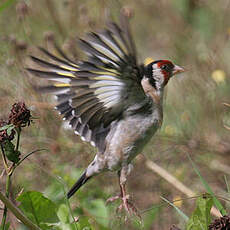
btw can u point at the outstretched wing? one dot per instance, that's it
(93, 94)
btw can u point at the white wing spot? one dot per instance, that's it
(76, 132)
(92, 143)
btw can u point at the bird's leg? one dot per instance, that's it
(126, 203)
(125, 197)
(122, 177)
(113, 198)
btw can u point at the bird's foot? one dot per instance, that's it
(126, 205)
(113, 198)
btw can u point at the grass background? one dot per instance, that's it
(191, 33)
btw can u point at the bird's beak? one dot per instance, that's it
(177, 69)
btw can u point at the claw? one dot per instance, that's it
(112, 199)
(126, 205)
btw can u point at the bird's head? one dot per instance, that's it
(159, 72)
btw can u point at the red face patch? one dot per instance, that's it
(166, 69)
(164, 62)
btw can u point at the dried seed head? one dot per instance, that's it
(4, 135)
(12, 39)
(223, 223)
(83, 10)
(49, 36)
(20, 116)
(21, 45)
(22, 10)
(127, 11)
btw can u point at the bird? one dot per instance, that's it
(109, 99)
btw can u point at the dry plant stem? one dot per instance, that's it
(17, 212)
(226, 127)
(217, 165)
(18, 137)
(8, 179)
(4, 159)
(3, 224)
(5, 207)
(176, 183)
(226, 104)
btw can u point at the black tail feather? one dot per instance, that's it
(82, 180)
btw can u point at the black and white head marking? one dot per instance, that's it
(159, 72)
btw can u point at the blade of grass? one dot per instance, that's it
(208, 188)
(184, 216)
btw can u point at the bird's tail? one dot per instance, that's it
(82, 180)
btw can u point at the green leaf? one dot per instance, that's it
(87, 228)
(10, 152)
(9, 130)
(98, 210)
(84, 223)
(61, 226)
(201, 217)
(63, 213)
(66, 226)
(6, 127)
(38, 208)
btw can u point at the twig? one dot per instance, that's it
(8, 178)
(226, 127)
(176, 183)
(18, 130)
(3, 225)
(226, 104)
(17, 212)
(217, 165)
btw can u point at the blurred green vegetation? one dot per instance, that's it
(192, 33)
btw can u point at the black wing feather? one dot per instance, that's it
(93, 94)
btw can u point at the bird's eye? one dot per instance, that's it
(164, 67)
